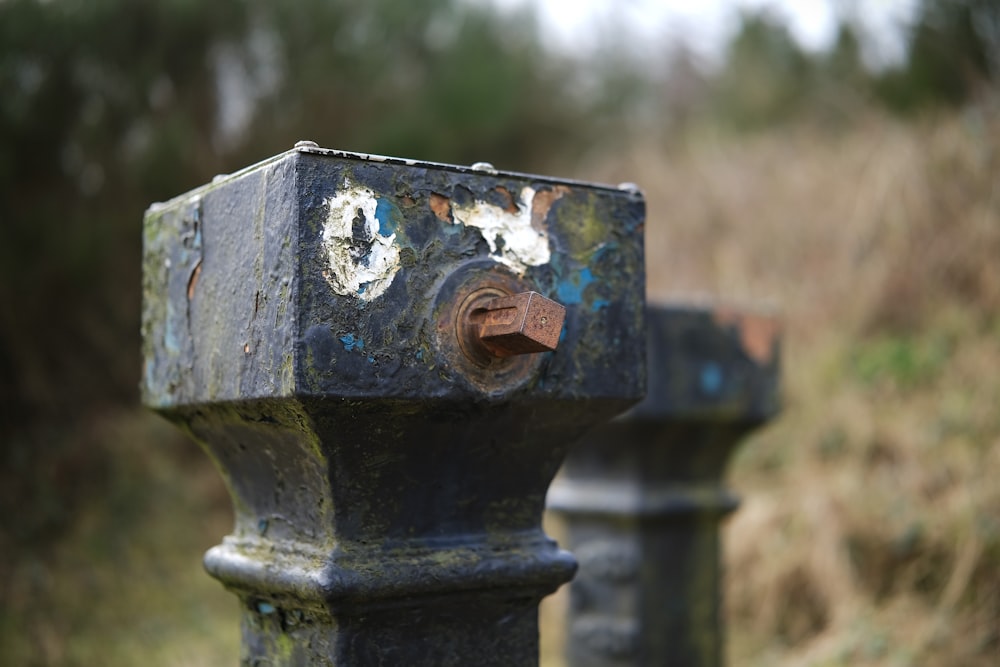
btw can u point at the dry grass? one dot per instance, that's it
(870, 532)
(125, 585)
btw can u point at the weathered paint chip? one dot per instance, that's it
(441, 206)
(193, 280)
(512, 238)
(351, 342)
(759, 333)
(358, 236)
(570, 289)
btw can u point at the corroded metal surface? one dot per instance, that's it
(642, 497)
(520, 324)
(299, 320)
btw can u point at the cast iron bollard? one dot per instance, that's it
(642, 497)
(355, 341)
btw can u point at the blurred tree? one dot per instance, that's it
(106, 105)
(953, 54)
(110, 105)
(766, 78)
(685, 89)
(441, 80)
(843, 82)
(844, 64)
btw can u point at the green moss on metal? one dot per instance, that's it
(583, 231)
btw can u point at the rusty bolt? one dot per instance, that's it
(520, 324)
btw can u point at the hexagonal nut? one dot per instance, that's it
(522, 323)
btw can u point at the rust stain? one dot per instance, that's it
(193, 280)
(509, 206)
(541, 204)
(758, 333)
(441, 206)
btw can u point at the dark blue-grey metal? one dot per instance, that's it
(642, 497)
(311, 321)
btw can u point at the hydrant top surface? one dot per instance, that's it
(325, 274)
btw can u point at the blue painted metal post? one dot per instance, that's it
(359, 344)
(642, 497)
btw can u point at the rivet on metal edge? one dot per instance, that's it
(305, 143)
(483, 166)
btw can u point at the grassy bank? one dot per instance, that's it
(870, 530)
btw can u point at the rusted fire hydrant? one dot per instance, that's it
(364, 346)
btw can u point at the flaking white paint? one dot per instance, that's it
(360, 267)
(520, 245)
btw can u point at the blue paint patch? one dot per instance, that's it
(598, 304)
(570, 290)
(362, 288)
(420, 355)
(351, 343)
(170, 340)
(384, 216)
(262, 526)
(196, 241)
(371, 359)
(710, 379)
(151, 374)
(266, 608)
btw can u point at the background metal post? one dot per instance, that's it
(333, 329)
(642, 497)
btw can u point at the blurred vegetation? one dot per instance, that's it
(767, 78)
(954, 53)
(868, 532)
(109, 105)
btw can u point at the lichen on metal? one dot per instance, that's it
(388, 489)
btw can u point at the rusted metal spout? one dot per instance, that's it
(504, 326)
(643, 496)
(520, 324)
